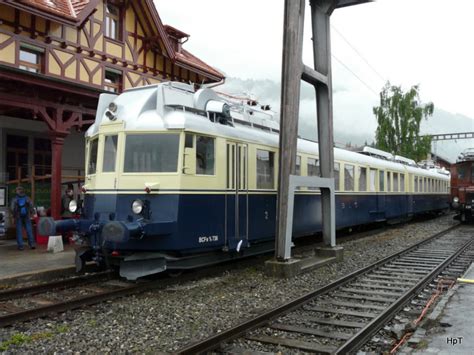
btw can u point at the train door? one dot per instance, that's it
(236, 204)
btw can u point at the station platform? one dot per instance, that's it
(451, 326)
(14, 262)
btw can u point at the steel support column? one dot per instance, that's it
(293, 70)
(290, 101)
(322, 64)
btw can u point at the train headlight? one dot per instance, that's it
(110, 115)
(137, 206)
(72, 206)
(113, 107)
(456, 199)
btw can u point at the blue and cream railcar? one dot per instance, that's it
(175, 176)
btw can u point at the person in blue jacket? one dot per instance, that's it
(22, 211)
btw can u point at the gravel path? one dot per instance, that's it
(165, 320)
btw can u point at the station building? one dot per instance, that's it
(56, 58)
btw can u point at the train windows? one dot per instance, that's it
(395, 182)
(472, 172)
(151, 153)
(298, 165)
(373, 180)
(363, 179)
(92, 165)
(348, 177)
(389, 181)
(402, 182)
(204, 155)
(381, 180)
(265, 169)
(461, 170)
(110, 154)
(313, 167)
(189, 140)
(337, 175)
(415, 185)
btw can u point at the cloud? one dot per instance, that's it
(354, 121)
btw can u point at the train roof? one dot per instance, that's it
(177, 106)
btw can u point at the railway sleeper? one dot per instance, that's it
(340, 311)
(291, 343)
(371, 292)
(332, 303)
(311, 331)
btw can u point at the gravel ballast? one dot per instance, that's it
(166, 320)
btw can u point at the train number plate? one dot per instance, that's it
(208, 239)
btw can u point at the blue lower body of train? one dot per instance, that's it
(176, 226)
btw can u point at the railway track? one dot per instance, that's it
(342, 316)
(46, 299)
(25, 303)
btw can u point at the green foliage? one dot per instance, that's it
(399, 117)
(21, 338)
(16, 339)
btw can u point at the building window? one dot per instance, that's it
(42, 157)
(112, 22)
(265, 169)
(112, 81)
(17, 157)
(31, 60)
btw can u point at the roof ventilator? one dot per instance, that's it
(219, 112)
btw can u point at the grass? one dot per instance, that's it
(21, 338)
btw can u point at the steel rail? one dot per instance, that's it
(88, 300)
(96, 298)
(54, 285)
(212, 342)
(361, 337)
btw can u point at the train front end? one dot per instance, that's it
(135, 159)
(462, 186)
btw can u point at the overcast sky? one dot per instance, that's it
(408, 42)
(427, 42)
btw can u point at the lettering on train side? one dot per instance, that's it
(208, 239)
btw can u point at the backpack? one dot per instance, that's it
(22, 206)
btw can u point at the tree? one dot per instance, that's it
(399, 117)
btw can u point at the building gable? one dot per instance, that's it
(142, 53)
